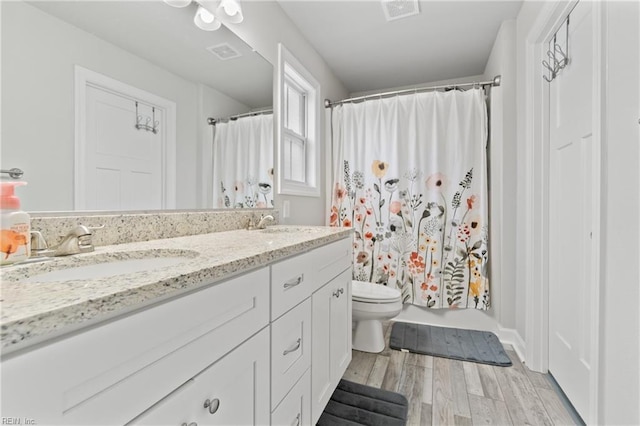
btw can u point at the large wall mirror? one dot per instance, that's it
(106, 105)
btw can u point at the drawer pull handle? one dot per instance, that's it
(294, 282)
(212, 405)
(294, 347)
(190, 424)
(296, 421)
(338, 292)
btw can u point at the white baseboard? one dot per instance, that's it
(511, 337)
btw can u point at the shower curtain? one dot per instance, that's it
(243, 162)
(410, 176)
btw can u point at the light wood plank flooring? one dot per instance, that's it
(442, 391)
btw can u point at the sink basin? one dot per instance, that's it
(109, 265)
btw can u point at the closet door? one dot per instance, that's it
(571, 183)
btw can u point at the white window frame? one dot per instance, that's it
(292, 71)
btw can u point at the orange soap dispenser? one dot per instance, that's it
(15, 226)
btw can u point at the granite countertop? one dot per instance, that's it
(33, 311)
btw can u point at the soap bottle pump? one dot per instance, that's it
(15, 226)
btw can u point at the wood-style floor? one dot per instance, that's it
(442, 391)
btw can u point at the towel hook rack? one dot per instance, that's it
(558, 58)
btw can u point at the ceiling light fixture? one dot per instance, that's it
(211, 14)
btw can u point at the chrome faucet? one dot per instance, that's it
(251, 224)
(78, 240)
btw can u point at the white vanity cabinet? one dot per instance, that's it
(265, 347)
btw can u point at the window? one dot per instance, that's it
(294, 132)
(298, 148)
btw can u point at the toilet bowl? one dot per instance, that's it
(372, 303)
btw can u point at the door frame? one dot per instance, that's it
(85, 77)
(535, 241)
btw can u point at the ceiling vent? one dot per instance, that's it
(398, 9)
(224, 51)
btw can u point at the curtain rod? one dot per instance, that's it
(212, 121)
(495, 82)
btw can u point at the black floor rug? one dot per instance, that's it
(455, 343)
(356, 404)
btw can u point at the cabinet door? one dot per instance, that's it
(331, 347)
(233, 391)
(340, 324)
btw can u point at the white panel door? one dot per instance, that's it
(570, 221)
(123, 165)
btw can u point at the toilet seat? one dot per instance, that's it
(365, 292)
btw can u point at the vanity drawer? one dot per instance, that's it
(290, 350)
(134, 361)
(233, 391)
(295, 408)
(331, 260)
(291, 283)
(294, 279)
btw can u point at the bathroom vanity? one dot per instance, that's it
(252, 327)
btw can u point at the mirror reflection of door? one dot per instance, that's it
(123, 139)
(123, 164)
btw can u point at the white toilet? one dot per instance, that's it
(372, 303)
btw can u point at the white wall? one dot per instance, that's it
(620, 291)
(38, 57)
(264, 26)
(502, 187)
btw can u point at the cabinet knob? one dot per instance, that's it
(212, 405)
(338, 292)
(189, 424)
(294, 282)
(294, 348)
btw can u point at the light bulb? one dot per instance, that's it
(233, 11)
(206, 20)
(230, 7)
(205, 15)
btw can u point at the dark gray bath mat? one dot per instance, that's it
(356, 404)
(455, 343)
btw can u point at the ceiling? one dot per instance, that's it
(447, 39)
(167, 37)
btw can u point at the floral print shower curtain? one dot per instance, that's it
(243, 162)
(410, 176)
